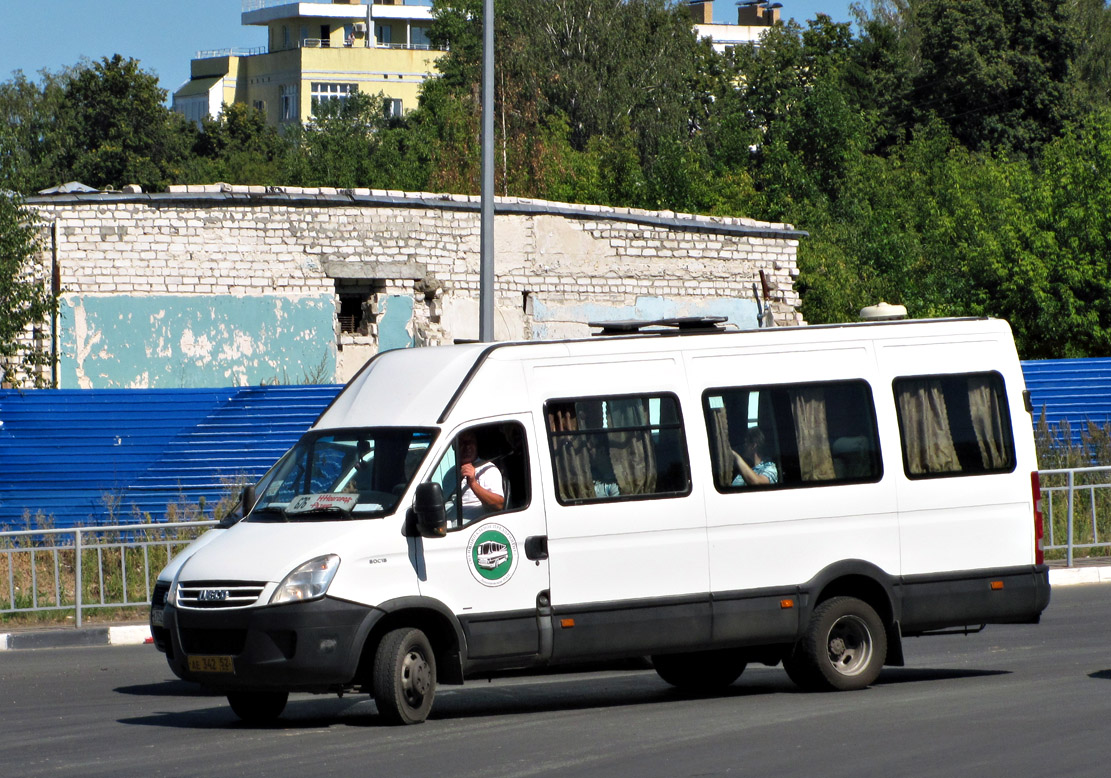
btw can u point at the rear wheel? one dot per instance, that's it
(703, 671)
(844, 647)
(258, 707)
(404, 680)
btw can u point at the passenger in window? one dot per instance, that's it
(762, 472)
(481, 488)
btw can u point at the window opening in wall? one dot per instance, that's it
(356, 312)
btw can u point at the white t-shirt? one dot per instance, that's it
(489, 478)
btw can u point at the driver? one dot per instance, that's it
(481, 487)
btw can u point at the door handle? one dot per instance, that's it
(536, 547)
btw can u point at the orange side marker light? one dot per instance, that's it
(786, 604)
(567, 623)
(996, 585)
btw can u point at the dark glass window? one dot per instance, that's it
(792, 435)
(954, 425)
(618, 447)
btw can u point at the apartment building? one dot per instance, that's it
(316, 51)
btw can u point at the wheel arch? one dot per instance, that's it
(854, 578)
(431, 617)
(866, 582)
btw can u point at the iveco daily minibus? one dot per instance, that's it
(809, 496)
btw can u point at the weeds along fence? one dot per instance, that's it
(106, 573)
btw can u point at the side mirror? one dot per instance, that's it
(247, 499)
(428, 510)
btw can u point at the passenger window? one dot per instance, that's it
(620, 447)
(954, 425)
(792, 435)
(497, 479)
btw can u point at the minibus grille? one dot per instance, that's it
(209, 595)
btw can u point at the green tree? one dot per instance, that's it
(28, 114)
(26, 302)
(112, 128)
(1091, 20)
(998, 72)
(237, 147)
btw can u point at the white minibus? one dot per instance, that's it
(810, 496)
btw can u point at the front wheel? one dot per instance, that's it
(843, 649)
(703, 671)
(404, 682)
(258, 707)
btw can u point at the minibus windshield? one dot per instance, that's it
(344, 474)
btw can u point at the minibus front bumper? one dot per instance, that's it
(306, 646)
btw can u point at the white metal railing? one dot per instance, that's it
(85, 568)
(233, 52)
(1076, 508)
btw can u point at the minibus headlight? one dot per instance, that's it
(307, 582)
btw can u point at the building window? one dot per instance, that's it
(322, 90)
(287, 94)
(954, 425)
(260, 106)
(792, 435)
(617, 448)
(393, 108)
(419, 37)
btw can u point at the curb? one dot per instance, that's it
(136, 634)
(128, 635)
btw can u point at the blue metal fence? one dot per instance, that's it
(1072, 390)
(72, 457)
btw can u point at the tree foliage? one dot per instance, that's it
(25, 301)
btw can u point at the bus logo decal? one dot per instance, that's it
(492, 554)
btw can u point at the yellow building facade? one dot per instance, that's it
(316, 51)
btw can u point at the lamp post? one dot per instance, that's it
(486, 234)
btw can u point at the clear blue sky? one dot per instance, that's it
(164, 36)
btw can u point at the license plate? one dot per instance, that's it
(211, 664)
(156, 617)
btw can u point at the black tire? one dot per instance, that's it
(404, 682)
(702, 671)
(843, 649)
(258, 707)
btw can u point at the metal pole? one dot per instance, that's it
(486, 268)
(1072, 486)
(77, 566)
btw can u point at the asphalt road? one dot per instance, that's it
(1011, 701)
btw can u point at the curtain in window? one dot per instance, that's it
(927, 440)
(631, 451)
(717, 427)
(987, 422)
(570, 456)
(815, 458)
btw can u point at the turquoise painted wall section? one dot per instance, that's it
(393, 325)
(739, 312)
(181, 342)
